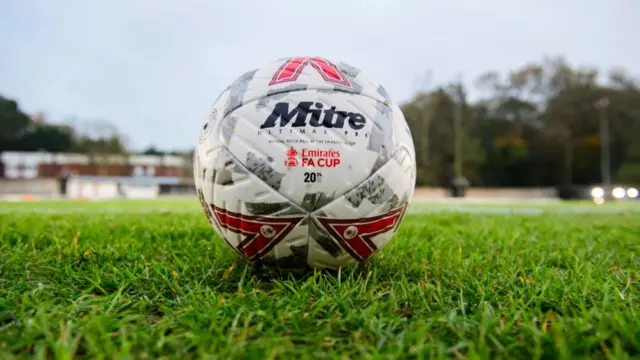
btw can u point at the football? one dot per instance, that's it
(305, 162)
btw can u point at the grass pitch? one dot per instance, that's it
(143, 279)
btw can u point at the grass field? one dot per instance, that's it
(150, 279)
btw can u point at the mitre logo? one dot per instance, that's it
(311, 117)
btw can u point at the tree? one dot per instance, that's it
(431, 118)
(551, 108)
(13, 122)
(467, 153)
(152, 151)
(537, 125)
(98, 137)
(419, 113)
(44, 137)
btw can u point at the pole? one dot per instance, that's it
(458, 142)
(457, 123)
(605, 158)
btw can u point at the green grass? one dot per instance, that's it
(93, 283)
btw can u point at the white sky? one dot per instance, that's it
(153, 67)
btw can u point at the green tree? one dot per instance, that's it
(432, 119)
(13, 122)
(45, 137)
(419, 113)
(551, 107)
(151, 150)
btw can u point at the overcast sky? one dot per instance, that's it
(153, 67)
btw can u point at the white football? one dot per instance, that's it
(305, 162)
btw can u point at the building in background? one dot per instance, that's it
(54, 175)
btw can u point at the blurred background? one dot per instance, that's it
(529, 99)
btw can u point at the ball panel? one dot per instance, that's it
(375, 207)
(250, 216)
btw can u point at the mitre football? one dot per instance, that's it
(305, 161)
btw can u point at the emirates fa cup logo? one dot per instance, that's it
(291, 161)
